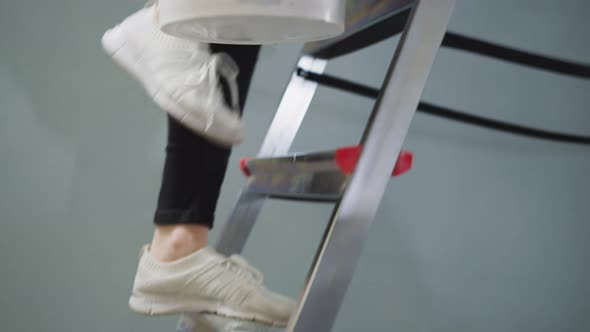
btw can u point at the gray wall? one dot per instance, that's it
(487, 233)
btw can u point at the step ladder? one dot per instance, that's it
(354, 178)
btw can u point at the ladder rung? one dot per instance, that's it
(318, 176)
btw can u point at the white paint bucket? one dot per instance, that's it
(253, 21)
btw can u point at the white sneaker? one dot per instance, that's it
(207, 282)
(181, 76)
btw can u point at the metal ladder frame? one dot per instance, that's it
(346, 233)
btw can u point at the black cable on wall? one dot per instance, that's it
(443, 112)
(469, 44)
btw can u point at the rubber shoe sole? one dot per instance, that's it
(175, 305)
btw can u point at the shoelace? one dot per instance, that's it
(203, 68)
(226, 67)
(240, 265)
(212, 68)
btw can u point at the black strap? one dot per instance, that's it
(395, 24)
(447, 113)
(500, 52)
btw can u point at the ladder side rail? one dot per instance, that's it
(346, 233)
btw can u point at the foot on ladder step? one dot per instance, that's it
(207, 282)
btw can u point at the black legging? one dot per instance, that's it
(195, 168)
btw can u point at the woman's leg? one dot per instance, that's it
(178, 272)
(193, 175)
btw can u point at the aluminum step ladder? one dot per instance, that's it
(354, 178)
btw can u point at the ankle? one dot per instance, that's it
(176, 241)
